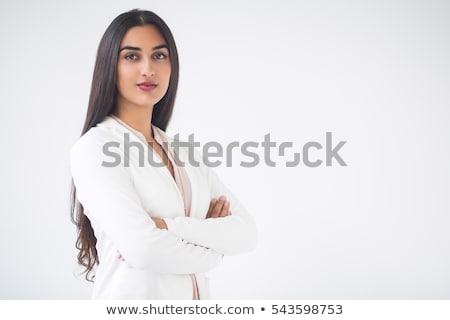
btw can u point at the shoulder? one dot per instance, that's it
(96, 138)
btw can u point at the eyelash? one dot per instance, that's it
(131, 56)
(134, 57)
(164, 56)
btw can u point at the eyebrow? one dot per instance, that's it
(139, 49)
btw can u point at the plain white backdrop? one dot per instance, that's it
(374, 73)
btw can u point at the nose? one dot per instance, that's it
(148, 69)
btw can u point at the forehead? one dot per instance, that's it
(144, 37)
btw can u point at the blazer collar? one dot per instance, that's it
(110, 122)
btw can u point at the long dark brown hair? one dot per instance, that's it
(102, 102)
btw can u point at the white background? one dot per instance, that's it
(374, 73)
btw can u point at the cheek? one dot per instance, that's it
(125, 73)
(167, 71)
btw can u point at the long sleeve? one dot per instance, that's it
(230, 235)
(111, 203)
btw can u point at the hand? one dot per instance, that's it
(160, 223)
(218, 208)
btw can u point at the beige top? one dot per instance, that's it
(181, 177)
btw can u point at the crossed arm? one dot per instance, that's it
(189, 245)
(218, 208)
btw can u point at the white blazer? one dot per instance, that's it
(119, 201)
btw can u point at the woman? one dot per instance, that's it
(150, 231)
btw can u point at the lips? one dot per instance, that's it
(147, 86)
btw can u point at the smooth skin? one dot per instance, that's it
(144, 57)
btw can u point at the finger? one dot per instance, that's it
(212, 203)
(225, 209)
(217, 208)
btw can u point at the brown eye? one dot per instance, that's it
(159, 56)
(131, 56)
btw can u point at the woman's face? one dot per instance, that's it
(143, 67)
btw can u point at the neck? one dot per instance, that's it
(138, 118)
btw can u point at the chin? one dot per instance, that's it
(147, 102)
